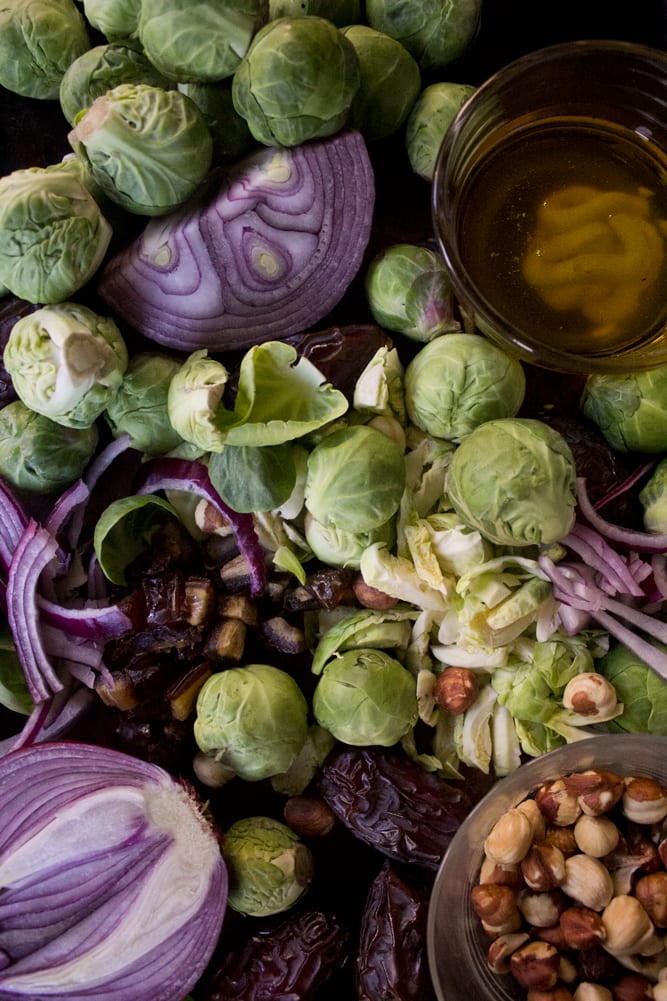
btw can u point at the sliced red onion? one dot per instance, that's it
(641, 542)
(13, 520)
(92, 621)
(267, 250)
(596, 552)
(114, 886)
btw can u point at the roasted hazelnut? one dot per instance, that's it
(502, 947)
(543, 867)
(629, 861)
(210, 772)
(552, 934)
(567, 970)
(632, 987)
(587, 991)
(510, 838)
(557, 803)
(596, 789)
(495, 872)
(535, 816)
(308, 816)
(563, 838)
(542, 910)
(495, 905)
(590, 694)
(535, 965)
(651, 891)
(626, 924)
(587, 881)
(558, 993)
(372, 597)
(597, 965)
(644, 800)
(596, 835)
(582, 928)
(456, 689)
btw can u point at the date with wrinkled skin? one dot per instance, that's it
(392, 962)
(289, 961)
(393, 805)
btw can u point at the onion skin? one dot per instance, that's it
(266, 250)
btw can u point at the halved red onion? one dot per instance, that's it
(266, 250)
(114, 886)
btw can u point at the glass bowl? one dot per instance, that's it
(456, 943)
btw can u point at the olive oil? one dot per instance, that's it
(563, 229)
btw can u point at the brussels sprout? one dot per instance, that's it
(642, 692)
(195, 393)
(355, 479)
(52, 199)
(338, 548)
(252, 718)
(630, 410)
(38, 455)
(66, 362)
(339, 12)
(114, 18)
(139, 408)
(513, 479)
(148, 148)
(38, 41)
(389, 83)
(101, 69)
(409, 291)
(229, 132)
(432, 113)
(458, 381)
(436, 32)
(653, 499)
(199, 41)
(269, 867)
(366, 697)
(297, 81)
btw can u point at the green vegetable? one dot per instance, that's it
(53, 199)
(339, 548)
(14, 692)
(125, 530)
(229, 132)
(297, 81)
(114, 18)
(514, 480)
(436, 32)
(195, 393)
(642, 691)
(630, 410)
(366, 697)
(409, 291)
(253, 719)
(339, 12)
(38, 41)
(269, 867)
(139, 407)
(389, 83)
(66, 362)
(148, 148)
(653, 498)
(355, 479)
(385, 630)
(253, 477)
(38, 455)
(101, 69)
(200, 41)
(458, 381)
(432, 113)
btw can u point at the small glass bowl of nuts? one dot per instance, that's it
(555, 887)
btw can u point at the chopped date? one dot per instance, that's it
(289, 961)
(392, 962)
(393, 805)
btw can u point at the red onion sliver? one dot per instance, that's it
(642, 542)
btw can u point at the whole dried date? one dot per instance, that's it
(392, 962)
(289, 961)
(393, 805)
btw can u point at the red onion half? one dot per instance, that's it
(266, 250)
(113, 883)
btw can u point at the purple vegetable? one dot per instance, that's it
(266, 250)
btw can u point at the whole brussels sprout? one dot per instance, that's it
(229, 132)
(514, 479)
(101, 69)
(630, 410)
(339, 12)
(38, 455)
(436, 32)
(66, 362)
(337, 548)
(297, 81)
(389, 82)
(366, 697)
(653, 499)
(458, 381)
(52, 199)
(147, 148)
(432, 113)
(409, 291)
(253, 719)
(139, 407)
(269, 867)
(38, 41)
(114, 18)
(199, 41)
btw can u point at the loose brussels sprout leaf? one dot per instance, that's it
(229, 132)
(381, 630)
(532, 690)
(38, 41)
(38, 455)
(355, 479)
(54, 200)
(432, 113)
(14, 692)
(653, 499)
(269, 867)
(630, 410)
(388, 86)
(297, 81)
(199, 41)
(253, 719)
(124, 531)
(398, 577)
(514, 480)
(642, 692)
(148, 148)
(379, 388)
(253, 477)
(339, 548)
(366, 697)
(101, 69)
(66, 362)
(194, 394)
(339, 12)
(307, 763)
(114, 18)
(139, 407)
(459, 381)
(436, 32)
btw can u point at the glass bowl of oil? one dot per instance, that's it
(549, 204)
